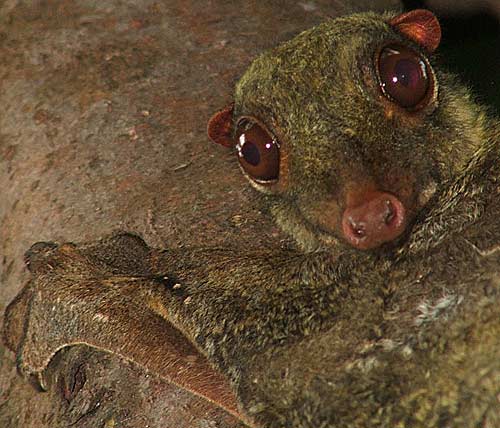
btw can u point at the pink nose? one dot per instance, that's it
(379, 218)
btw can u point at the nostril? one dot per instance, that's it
(381, 217)
(358, 228)
(390, 212)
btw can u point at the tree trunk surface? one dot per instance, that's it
(102, 128)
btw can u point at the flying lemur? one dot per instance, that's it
(385, 171)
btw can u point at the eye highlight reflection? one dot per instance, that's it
(258, 151)
(404, 76)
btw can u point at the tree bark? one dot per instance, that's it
(104, 109)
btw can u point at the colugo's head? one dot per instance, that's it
(350, 128)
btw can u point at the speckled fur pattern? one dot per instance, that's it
(404, 336)
(318, 94)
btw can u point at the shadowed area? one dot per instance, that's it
(104, 111)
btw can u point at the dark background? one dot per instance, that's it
(471, 43)
(102, 127)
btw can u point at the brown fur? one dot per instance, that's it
(407, 334)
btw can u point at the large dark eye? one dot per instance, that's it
(258, 151)
(404, 76)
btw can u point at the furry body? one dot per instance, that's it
(407, 334)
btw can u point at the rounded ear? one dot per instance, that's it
(419, 25)
(219, 127)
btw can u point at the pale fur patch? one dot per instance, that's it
(431, 311)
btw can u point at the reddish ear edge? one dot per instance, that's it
(219, 127)
(419, 25)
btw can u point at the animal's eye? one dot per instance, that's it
(404, 76)
(258, 151)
